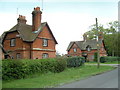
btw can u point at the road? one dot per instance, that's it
(105, 80)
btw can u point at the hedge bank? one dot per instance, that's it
(109, 59)
(17, 69)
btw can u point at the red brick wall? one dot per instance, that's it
(102, 50)
(1, 54)
(24, 48)
(38, 54)
(6, 43)
(72, 53)
(38, 43)
(20, 47)
(90, 54)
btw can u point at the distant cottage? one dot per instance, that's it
(86, 48)
(34, 41)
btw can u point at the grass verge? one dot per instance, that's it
(54, 79)
(114, 62)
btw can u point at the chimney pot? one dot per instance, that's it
(100, 36)
(85, 37)
(36, 18)
(21, 19)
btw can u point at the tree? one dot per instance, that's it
(111, 37)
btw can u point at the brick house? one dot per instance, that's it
(34, 41)
(86, 48)
(1, 52)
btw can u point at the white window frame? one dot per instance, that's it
(12, 42)
(88, 49)
(45, 55)
(45, 42)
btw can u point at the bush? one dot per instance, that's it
(109, 59)
(75, 61)
(13, 69)
(16, 69)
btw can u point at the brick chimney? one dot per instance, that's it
(21, 19)
(85, 38)
(36, 18)
(100, 36)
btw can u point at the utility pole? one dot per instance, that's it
(98, 52)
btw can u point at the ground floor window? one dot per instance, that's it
(18, 55)
(92, 57)
(45, 55)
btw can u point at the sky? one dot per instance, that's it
(68, 19)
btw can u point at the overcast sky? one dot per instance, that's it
(68, 19)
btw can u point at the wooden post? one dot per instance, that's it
(98, 52)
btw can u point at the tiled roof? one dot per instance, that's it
(26, 33)
(83, 44)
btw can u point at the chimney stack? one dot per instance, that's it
(100, 36)
(36, 18)
(22, 19)
(85, 38)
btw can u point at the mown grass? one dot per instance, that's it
(54, 79)
(114, 62)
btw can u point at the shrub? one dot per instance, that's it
(16, 69)
(75, 61)
(109, 59)
(12, 69)
(59, 65)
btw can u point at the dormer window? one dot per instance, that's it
(75, 49)
(45, 42)
(88, 48)
(12, 42)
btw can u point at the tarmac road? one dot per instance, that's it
(105, 80)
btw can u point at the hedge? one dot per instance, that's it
(109, 59)
(75, 61)
(17, 69)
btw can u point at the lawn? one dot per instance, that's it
(54, 79)
(114, 62)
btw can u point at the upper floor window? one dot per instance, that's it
(45, 42)
(88, 48)
(45, 55)
(12, 42)
(75, 49)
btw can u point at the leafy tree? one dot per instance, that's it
(111, 37)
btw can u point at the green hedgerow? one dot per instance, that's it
(75, 61)
(16, 69)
